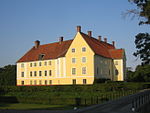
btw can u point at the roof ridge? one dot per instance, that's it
(56, 42)
(97, 39)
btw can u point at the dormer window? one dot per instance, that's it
(41, 56)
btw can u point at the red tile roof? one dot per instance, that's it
(99, 47)
(56, 50)
(50, 51)
(116, 53)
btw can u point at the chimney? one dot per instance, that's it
(90, 33)
(78, 28)
(99, 38)
(37, 43)
(60, 39)
(113, 43)
(105, 40)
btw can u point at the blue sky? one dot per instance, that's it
(24, 21)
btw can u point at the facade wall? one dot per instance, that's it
(103, 67)
(118, 70)
(77, 44)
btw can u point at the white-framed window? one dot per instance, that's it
(83, 49)
(73, 50)
(22, 74)
(50, 72)
(34, 64)
(45, 63)
(22, 82)
(84, 81)
(116, 62)
(45, 73)
(22, 65)
(40, 63)
(50, 63)
(73, 71)
(30, 82)
(34, 73)
(30, 64)
(74, 81)
(50, 82)
(34, 82)
(45, 82)
(40, 73)
(40, 82)
(30, 73)
(83, 59)
(83, 70)
(73, 60)
(41, 56)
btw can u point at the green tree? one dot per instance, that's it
(143, 10)
(142, 74)
(8, 75)
(142, 42)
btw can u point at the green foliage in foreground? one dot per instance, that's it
(141, 74)
(66, 95)
(8, 75)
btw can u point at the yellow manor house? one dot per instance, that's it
(78, 61)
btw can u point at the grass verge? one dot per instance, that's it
(22, 106)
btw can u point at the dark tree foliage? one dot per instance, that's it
(143, 10)
(141, 74)
(8, 75)
(142, 42)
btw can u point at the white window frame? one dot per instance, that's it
(30, 82)
(83, 71)
(50, 62)
(83, 48)
(31, 73)
(50, 82)
(30, 64)
(50, 72)
(22, 74)
(84, 81)
(22, 65)
(73, 49)
(40, 73)
(82, 59)
(35, 82)
(34, 64)
(45, 73)
(72, 71)
(45, 63)
(40, 82)
(73, 60)
(40, 63)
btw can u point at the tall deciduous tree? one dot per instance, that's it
(142, 42)
(143, 10)
(8, 75)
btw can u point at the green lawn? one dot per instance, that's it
(21, 106)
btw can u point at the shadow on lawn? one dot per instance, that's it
(5, 101)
